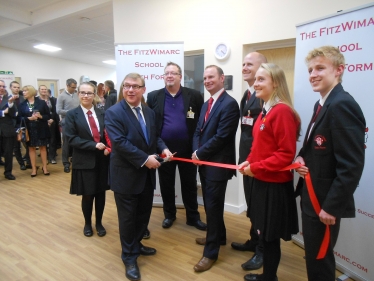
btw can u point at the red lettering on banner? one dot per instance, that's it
(157, 77)
(125, 53)
(348, 260)
(148, 64)
(365, 213)
(350, 47)
(359, 67)
(145, 77)
(151, 52)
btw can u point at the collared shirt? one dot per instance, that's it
(216, 96)
(269, 104)
(251, 88)
(134, 110)
(92, 109)
(321, 102)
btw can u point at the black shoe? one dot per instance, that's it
(100, 230)
(249, 245)
(255, 277)
(147, 251)
(198, 224)
(254, 263)
(168, 223)
(10, 177)
(67, 169)
(22, 167)
(147, 234)
(87, 230)
(132, 271)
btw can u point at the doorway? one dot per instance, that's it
(51, 84)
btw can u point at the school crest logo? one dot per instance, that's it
(320, 140)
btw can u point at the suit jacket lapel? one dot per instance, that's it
(161, 100)
(100, 118)
(186, 100)
(215, 106)
(324, 108)
(81, 119)
(134, 120)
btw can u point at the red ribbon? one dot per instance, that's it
(227, 166)
(317, 208)
(313, 198)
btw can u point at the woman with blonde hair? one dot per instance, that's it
(36, 114)
(274, 146)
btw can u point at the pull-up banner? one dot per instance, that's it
(149, 60)
(353, 33)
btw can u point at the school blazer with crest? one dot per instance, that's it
(335, 155)
(81, 140)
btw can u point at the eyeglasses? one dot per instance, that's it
(1, 86)
(171, 73)
(84, 94)
(134, 87)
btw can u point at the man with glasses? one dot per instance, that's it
(132, 131)
(7, 132)
(177, 111)
(66, 101)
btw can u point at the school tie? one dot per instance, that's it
(317, 111)
(263, 112)
(248, 95)
(94, 130)
(142, 123)
(209, 108)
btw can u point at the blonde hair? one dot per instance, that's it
(30, 89)
(280, 89)
(330, 52)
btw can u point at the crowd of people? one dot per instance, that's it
(115, 144)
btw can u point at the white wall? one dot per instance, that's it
(31, 67)
(201, 24)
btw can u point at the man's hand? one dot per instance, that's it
(152, 163)
(100, 146)
(167, 153)
(194, 157)
(326, 218)
(302, 170)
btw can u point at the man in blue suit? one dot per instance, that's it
(214, 140)
(132, 131)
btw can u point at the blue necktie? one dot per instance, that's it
(142, 123)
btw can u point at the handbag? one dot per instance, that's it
(22, 132)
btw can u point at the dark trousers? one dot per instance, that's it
(214, 201)
(17, 152)
(6, 145)
(66, 150)
(248, 183)
(313, 232)
(52, 142)
(134, 211)
(187, 173)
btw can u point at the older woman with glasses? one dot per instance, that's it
(36, 114)
(85, 133)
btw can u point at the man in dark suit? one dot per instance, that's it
(333, 154)
(214, 141)
(110, 94)
(250, 108)
(177, 111)
(132, 131)
(18, 99)
(7, 132)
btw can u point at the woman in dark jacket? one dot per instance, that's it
(53, 125)
(36, 114)
(85, 132)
